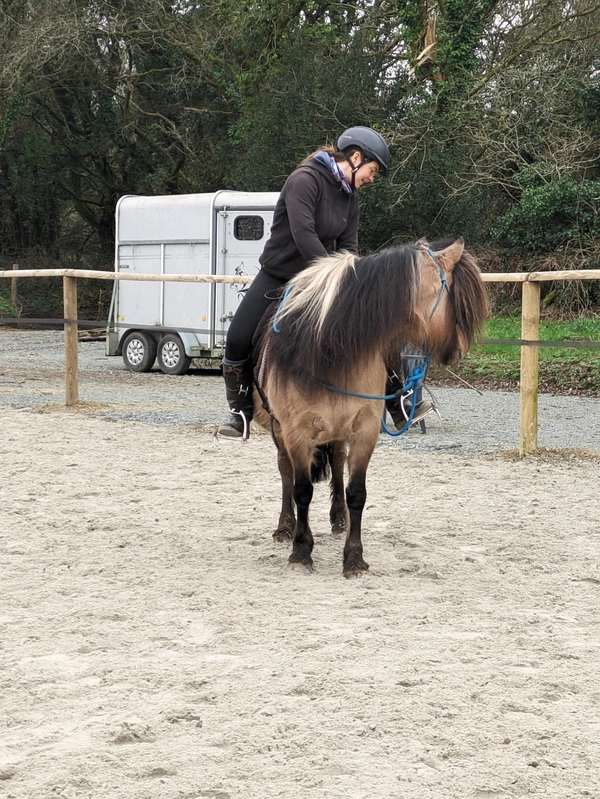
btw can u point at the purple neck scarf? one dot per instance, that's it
(336, 170)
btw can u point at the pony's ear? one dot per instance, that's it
(452, 254)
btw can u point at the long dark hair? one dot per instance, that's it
(339, 155)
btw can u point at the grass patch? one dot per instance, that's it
(6, 309)
(561, 370)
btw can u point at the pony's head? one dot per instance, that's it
(452, 300)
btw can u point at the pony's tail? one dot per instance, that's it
(320, 468)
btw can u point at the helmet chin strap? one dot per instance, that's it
(355, 170)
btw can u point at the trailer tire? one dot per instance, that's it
(172, 357)
(139, 352)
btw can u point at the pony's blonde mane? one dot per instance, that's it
(314, 291)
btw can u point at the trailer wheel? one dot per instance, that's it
(172, 357)
(139, 352)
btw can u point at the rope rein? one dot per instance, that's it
(280, 308)
(413, 381)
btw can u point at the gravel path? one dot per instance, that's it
(32, 375)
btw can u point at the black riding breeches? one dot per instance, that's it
(261, 293)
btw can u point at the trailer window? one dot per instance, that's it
(249, 228)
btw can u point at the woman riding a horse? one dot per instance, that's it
(316, 214)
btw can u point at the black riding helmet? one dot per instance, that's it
(369, 142)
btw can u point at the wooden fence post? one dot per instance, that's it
(530, 331)
(70, 311)
(13, 289)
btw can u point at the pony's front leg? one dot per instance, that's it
(359, 456)
(303, 543)
(356, 496)
(338, 513)
(287, 519)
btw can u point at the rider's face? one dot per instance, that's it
(366, 174)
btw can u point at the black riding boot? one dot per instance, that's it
(238, 389)
(400, 406)
(394, 406)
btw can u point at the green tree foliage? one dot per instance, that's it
(550, 215)
(507, 88)
(30, 210)
(108, 91)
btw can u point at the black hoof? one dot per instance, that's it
(360, 569)
(282, 535)
(304, 567)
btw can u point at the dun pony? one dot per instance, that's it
(337, 331)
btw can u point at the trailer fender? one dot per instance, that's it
(190, 344)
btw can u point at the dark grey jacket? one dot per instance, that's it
(313, 217)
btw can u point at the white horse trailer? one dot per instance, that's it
(199, 234)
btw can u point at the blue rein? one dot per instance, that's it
(280, 308)
(414, 379)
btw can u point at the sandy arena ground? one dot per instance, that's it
(154, 646)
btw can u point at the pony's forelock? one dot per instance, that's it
(469, 296)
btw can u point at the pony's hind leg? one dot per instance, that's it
(287, 519)
(338, 513)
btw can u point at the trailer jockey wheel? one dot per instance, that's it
(172, 357)
(139, 352)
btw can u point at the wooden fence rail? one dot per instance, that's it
(530, 324)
